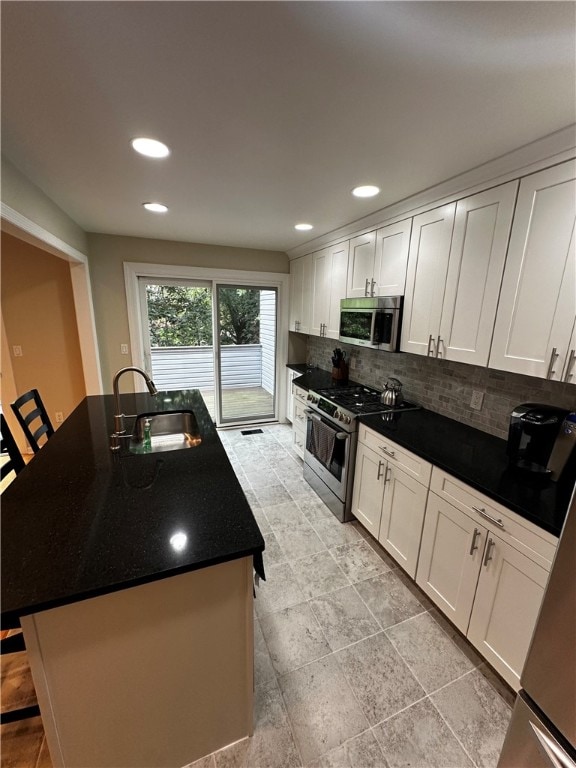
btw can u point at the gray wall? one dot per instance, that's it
(446, 387)
(20, 194)
(107, 254)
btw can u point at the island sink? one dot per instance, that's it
(169, 431)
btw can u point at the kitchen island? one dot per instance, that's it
(132, 578)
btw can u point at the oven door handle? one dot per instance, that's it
(313, 415)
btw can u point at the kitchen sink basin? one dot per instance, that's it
(169, 431)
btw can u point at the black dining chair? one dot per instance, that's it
(8, 446)
(13, 643)
(32, 417)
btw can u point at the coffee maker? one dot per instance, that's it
(540, 439)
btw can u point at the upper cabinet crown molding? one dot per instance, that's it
(543, 153)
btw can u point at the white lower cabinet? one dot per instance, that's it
(486, 569)
(508, 598)
(450, 559)
(388, 501)
(299, 420)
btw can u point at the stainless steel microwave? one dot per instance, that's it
(372, 322)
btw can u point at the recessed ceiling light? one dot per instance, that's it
(366, 191)
(155, 207)
(303, 227)
(150, 147)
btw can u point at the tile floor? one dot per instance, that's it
(354, 666)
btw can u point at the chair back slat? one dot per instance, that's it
(25, 419)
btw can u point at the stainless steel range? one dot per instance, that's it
(331, 437)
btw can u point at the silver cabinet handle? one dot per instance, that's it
(482, 511)
(474, 546)
(296, 325)
(429, 352)
(372, 283)
(552, 750)
(570, 365)
(438, 353)
(488, 554)
(366, 286)
(553, 357)
(388, 453)
(380, 465)
(388, 474)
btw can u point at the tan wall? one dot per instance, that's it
(38, 315)
(107, 254)
(20, 194)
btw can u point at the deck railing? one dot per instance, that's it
(193, 367)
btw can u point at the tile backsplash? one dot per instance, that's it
(446, 387)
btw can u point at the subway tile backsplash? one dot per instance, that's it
(446, 387)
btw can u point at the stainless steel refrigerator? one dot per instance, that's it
(542, 731)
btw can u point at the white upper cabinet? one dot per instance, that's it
(457, 256)
(426, 279)
(329, 275)
(300, 294)
(391, 261)
(378, 261)
(361, 268)
(537, 306)
(479, 242)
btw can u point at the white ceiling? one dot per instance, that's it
(273, 110)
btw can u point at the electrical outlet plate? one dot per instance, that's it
(476, 400)
(123, 349)
(17, 350)
(59, 417)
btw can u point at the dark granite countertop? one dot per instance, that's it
(480, 460)
(473, 456)
(81, 521)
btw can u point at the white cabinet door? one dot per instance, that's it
(329, 275)
(508, 597)
(391, 262)
(402, 517)
(426, 279)
(361, 271)
(291, 375)
(300, 294)
(368, 488)
(479, 243)
(538, 301)
(338, 257)
(450, 559)
(320, 290)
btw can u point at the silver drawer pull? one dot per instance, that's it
(489, 547)
(570, 365)
(366, 286)
(429, 352)
(474, 546)
(380, 465)
(388, 474)
(372, 283)
(553, 357)
(438, 353)
(388, 453)
(482, 511)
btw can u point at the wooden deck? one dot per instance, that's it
(241, 403)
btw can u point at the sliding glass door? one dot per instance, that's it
(246, 352)
(225, 348)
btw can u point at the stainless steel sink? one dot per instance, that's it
(169, 431)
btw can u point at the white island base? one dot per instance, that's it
(152, 676)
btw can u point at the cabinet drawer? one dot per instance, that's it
(519, 533)
(399, 457)
(299, 422)
(299, 393)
